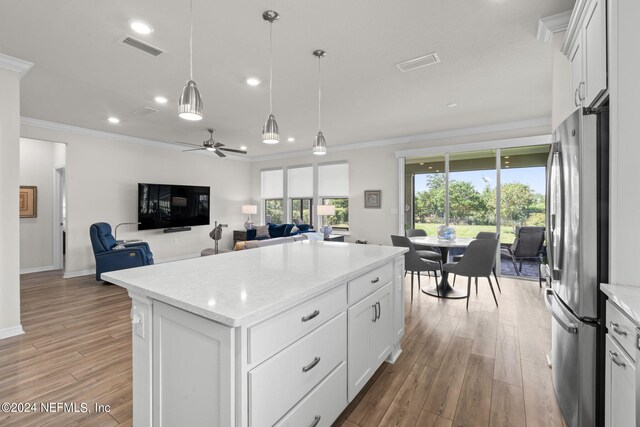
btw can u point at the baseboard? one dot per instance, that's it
(78, 273)
(37, 269)
(11, 332)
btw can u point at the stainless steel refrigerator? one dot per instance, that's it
(577, 192)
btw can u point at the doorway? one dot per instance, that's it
(59, 218)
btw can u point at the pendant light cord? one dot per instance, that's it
(270, 67)
(319, 96)
(191, 40)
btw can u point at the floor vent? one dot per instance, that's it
(419, 62)
(140, 45)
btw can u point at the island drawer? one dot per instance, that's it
(369, 282)
(323, 405)
(622, 329)
(274, 334)
(278, 384)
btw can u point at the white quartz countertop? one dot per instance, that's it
(237, 288)
(625, 297)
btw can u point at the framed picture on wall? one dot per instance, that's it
(28, 201)
(372, 198)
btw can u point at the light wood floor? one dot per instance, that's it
(483, 367)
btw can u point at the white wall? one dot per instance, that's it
(9, 209)
(102, 179)
(374, 169)
(36, 234)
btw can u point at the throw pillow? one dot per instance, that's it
(303, 227)
(239, 246)
(294, 230)
(262, 231)
(277, 230)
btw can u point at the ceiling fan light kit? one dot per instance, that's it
(190, 104)
(270, 132)
(319, 143)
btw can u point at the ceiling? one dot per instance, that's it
(492, 66)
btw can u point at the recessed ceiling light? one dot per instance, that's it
(113, 120)
(243, 147)
(506, 157)
(141, 28)
(506, 163)
(451, 105)
(291, 139)
(437, 170)
(422, 164)
(430, 167)
(161, 99)
(253, 81)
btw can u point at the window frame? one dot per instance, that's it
(322, 201)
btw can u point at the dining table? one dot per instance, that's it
(443, 289)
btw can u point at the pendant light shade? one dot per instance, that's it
(319, 143)
(190, 103)
(270, 132)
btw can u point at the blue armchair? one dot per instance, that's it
(110, 259)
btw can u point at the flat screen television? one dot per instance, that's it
(171, 206)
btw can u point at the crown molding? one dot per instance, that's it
(423, 137)
(552, 24)
(15, 64)
(76, 130)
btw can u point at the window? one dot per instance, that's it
(333, 189)
(271, 193)
(300, 193)
(339, 221)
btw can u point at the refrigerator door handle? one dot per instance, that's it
(562, 318)
(555, 208)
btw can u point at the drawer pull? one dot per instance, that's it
(614, 358)
(618, 331)
(311, 316)
(376, 280)
(316, 421)
(378, 310)
(311, 365)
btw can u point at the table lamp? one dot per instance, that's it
(249, 210)
(325, 211)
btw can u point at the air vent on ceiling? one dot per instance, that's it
(419, 62)
(143, 111)
(140, 45)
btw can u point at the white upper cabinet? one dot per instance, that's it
(586, 48)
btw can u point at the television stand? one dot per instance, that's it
(176, 229)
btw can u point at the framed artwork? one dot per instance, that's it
(372, 198)
(28, 201)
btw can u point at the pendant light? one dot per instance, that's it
(270, 133)
(319, 143)
(190, 104)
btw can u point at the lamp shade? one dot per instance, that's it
(190, 104)
(319, 145)
(270, 132)
(326, 210)
(249, 209)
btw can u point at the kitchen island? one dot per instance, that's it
(281, 335)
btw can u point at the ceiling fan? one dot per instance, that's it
(213, 145)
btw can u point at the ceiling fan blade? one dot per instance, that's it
(218, 144)
(193, 149)
(220, 153)
(233, 150)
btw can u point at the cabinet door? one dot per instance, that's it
(595, 51)
(620, 387)
(381, 327)
(360, 317)
(576, 74)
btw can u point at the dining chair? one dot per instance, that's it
(478, 261)
(481, 235)
(413, 262)
(528, 243)
(425, 251)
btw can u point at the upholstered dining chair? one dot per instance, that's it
(481, 235)
(413, 262)
(478, 261)
(528, 243)
(425, 251)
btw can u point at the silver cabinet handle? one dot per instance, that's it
(379, 310)
(376, 280)
(375, 312)
(311, 316)
(316, 421)
(581, 91)
(617, 330)
(614, 357)
(576, 96)
(311, 365)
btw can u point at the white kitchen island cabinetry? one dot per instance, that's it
(262, 337)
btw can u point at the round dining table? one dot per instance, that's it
(443, 289)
